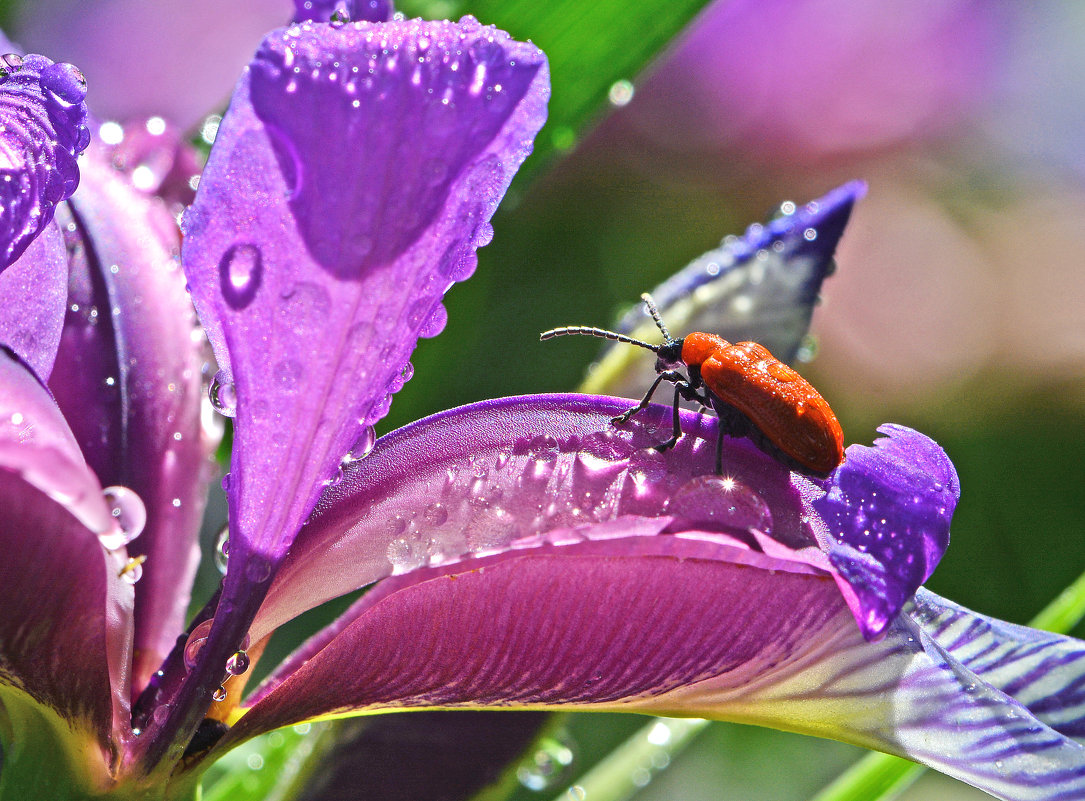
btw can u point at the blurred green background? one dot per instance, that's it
(959, 300)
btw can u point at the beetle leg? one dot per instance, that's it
(682, 389)
(669, 375)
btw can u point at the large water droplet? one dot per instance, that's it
(223, 394)
(548, 766)
(241, 271)
(720, 502)
(238, 663)
(11, 61)
(363, 446)
(219, 695)
(129, 516)
(436, 323)
(196, 640)
(406, 553)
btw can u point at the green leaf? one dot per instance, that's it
(591, 46)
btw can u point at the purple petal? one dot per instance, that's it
(128, 378)
(686, 631)
(525, 630)
(342, 10)
(65, 635)
(42, 130)
(34, 289)
(502, 474)
(316, 267)
(888, 510)
(157, 159)
(318, 254)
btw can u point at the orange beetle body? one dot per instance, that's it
(778, 401)
(753, 393)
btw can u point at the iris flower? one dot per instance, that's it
(525, 552)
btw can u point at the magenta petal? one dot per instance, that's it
(42, 130)
(75, 657)
(888, 510)
(34, 289)
(128, 378)
(316, 268)
(603, 625)
(502, 474)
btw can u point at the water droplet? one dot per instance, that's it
(161, 713)
(237, 664)
(305, 306)
(548, 766)
(720, 502)
(129, 516)
(219, 695)
(363, 446)
(12, 61)
(241, 271)
(436, 322)
(223, 394)
(406, 553)
(258, 569)
(435, 515)
(289, 373)
(222, 550)
(195, 643)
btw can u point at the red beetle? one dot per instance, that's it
(752, 392)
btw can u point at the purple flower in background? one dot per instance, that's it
(350, 184)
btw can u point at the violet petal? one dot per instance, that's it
(55, 571)
(42, 130)
(685, 631)
(128, 378)
(888, 510)
(335, 258)
(34, 288)
(525, 630)
(501, 474)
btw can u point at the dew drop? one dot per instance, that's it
(405, 554)
(12, 60)
(435, 515)
(219, 695)
(241, 272)
(195, 643)
(363, 446)
(436, 323)
(720, 501)
(549, 765)
(223, 394)
(258, 569)
(129, 515)
(237, 664)
(161, 713)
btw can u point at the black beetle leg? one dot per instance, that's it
(669, 375)
(682, 389)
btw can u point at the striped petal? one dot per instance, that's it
(762, 287)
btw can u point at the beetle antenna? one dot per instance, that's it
(590, 331)
(652, 310)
